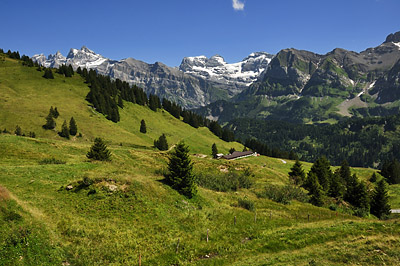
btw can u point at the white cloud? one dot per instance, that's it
(237, 5)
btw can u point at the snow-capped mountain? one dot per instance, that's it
(234, 77)
(198, 81)
(84, 58)
(157, 78)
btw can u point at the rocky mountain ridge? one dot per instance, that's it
(185, 85)
(301, 86)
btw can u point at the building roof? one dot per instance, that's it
(237, 154)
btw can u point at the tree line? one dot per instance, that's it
(324, 185)
(363, 142)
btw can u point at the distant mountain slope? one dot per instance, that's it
(302, 86)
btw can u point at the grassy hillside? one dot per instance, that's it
(26, 97)
(120, 212)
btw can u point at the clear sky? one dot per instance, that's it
(168, 30)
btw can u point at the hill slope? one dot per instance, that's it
(26, 98)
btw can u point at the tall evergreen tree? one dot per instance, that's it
(180, 171)
(50, 123)
(336, 188)
(99, 151)
(380, 206)
(391, 171)
(73, 128)
(48, 74)
(214, 150)
(143, 128)
(322, 169)
(56, 114)
(296, 174)
(315, 190)
(161, 143)
(64, 130)
(345, 172)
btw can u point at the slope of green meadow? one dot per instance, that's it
(120, 212)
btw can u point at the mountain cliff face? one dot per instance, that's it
(234, 77)
(198, 81)
(302, 86)
(189, 91)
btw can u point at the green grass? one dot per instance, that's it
(101, 213)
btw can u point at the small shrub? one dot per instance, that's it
(51, 161)
(283, 194)
(246, 204)
(224, 182)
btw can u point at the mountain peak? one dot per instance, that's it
(393, 37)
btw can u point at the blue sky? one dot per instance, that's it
(167, 31)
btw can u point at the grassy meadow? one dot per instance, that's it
(59, 208)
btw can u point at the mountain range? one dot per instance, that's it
(197, 82)
(303, 87)
(294, 85)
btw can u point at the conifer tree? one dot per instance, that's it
(322, 169)
(336, 187)
(345, 171)
(99, 151)
(314, 189)
(180, 171)
(380, 206)
(64, 130)
(18, 131)
(48, 74)
(214, 150)
(55, 113)
(373, 178)
(73, 128)
(161, 143)
(50, 123)
(296, 174)
(143, 128)
(232, 150)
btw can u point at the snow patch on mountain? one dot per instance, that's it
(215, 68)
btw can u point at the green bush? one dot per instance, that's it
(51, 161)
(246, 204)
(283, 194)
(224, 182)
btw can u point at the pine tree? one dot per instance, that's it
(64, 130)
(99, 151)
(143, 128)
(180, 171)
(214, 150)
(380, 206)
(232, 150)
(161, 143)
(56, 114)
(50, 123)
(373, 178)
(322, 169)
(18, 131)
(48, 74)
(345, 171)
(336, 187)
(296, 174)
(314, 189)
(73, 128)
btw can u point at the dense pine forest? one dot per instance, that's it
(363, 142)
